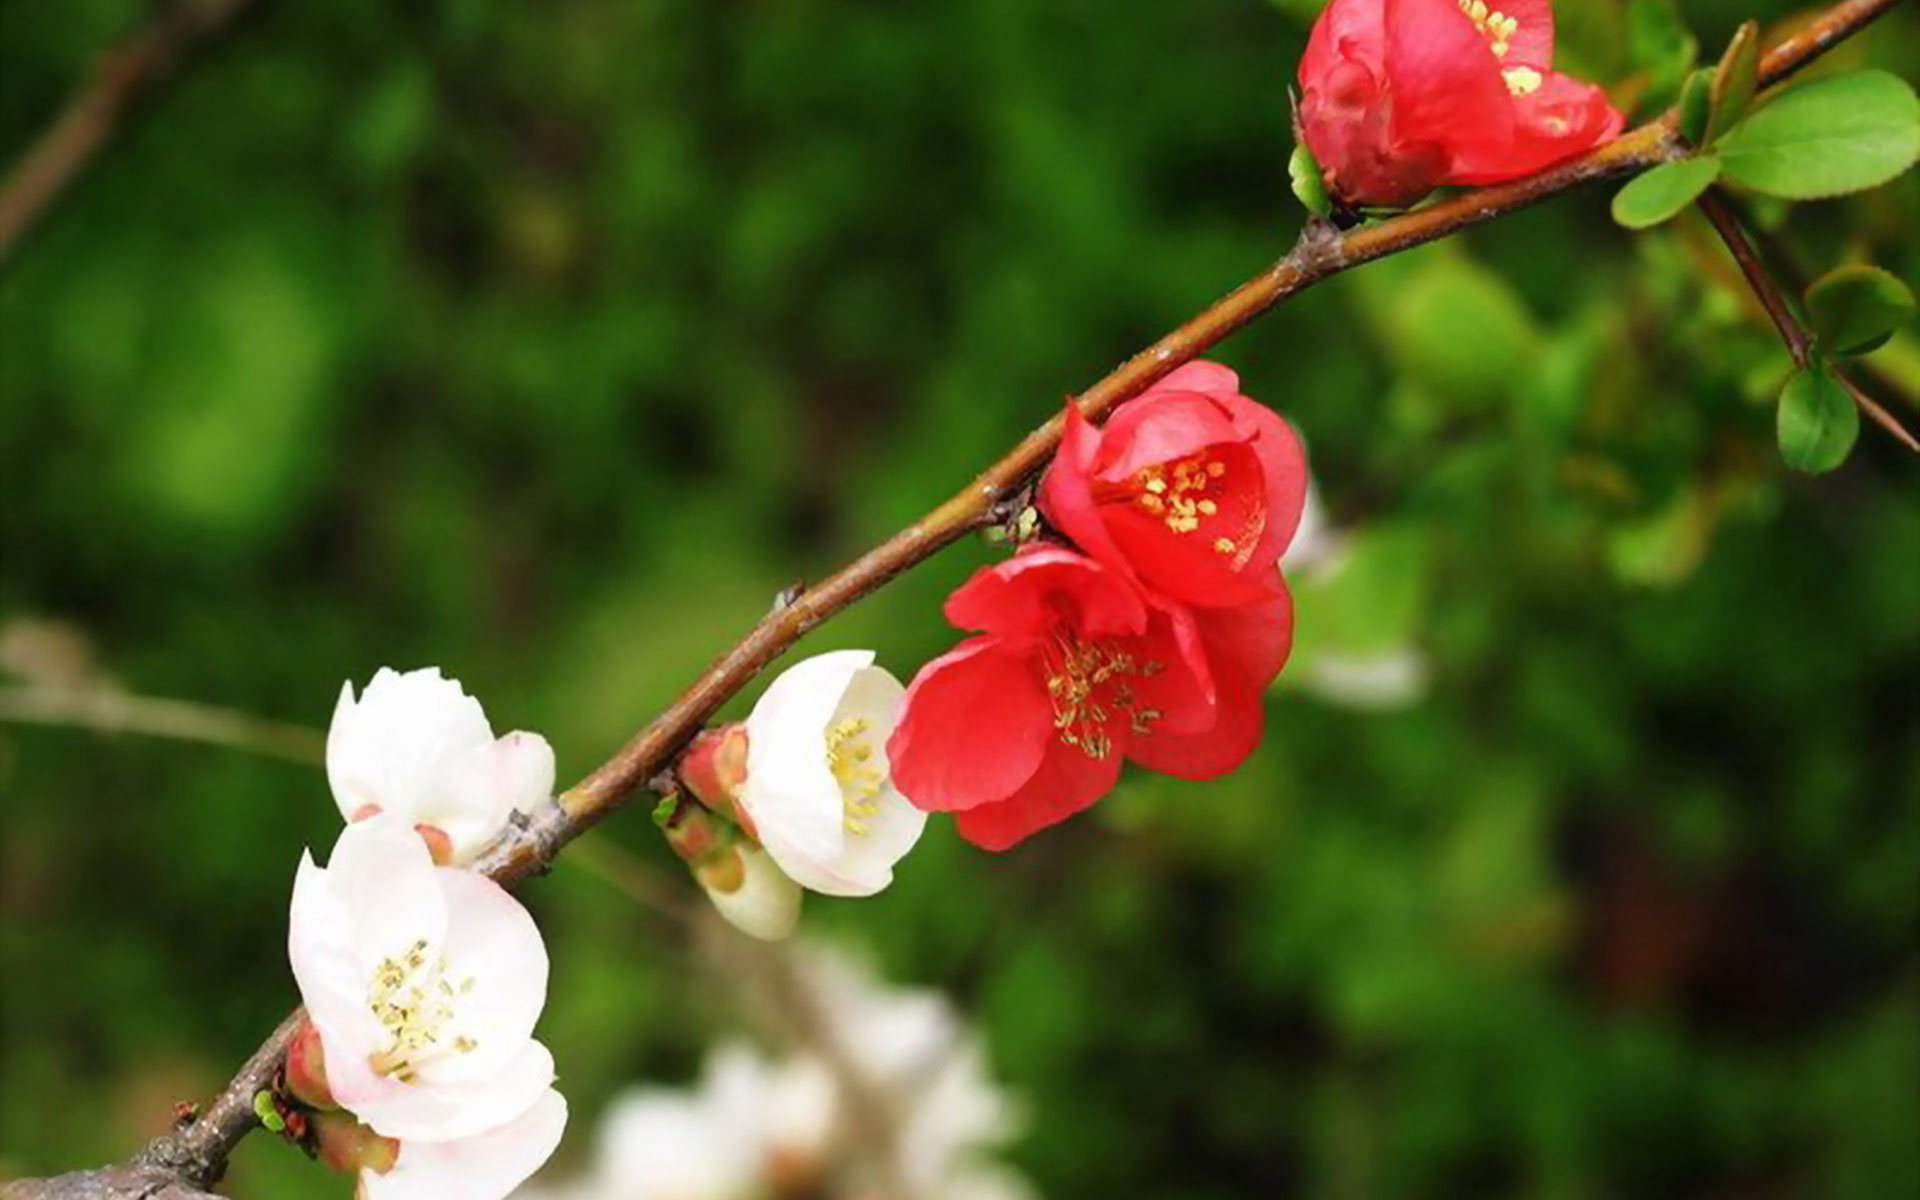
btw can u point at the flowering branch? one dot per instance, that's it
(65, 148)
(197, 1152)
(1798, 341)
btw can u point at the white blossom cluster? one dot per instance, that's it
(423, 979)
(757, 1128)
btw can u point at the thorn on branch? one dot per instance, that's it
(787, 597)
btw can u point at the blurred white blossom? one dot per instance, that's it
(756, 1128)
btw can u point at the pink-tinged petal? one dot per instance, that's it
(1200, 375)
(1254, 638)
(331, 980)
(1068, 780)
(1020, 598)
(1214, 752)
(1066, 491)
(1444, 78)
(487, 1166)
(974, 729)
(417, 1112)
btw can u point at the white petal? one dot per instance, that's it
(326, 970)
(384, 876)
(487, 1166)
(392, 747)
(419, 1112)
(767, 903)
(790, 790)
(485, 785)
(492, 940)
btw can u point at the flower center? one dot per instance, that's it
(414, 999)
(1497, 26)
(1499, 29)
(1176, 493)
(1090, 685)
(850, 757)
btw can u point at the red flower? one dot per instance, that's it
(1191, 488)
(1074, 671)
(1399, 97)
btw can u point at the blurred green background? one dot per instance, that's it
(546, 342)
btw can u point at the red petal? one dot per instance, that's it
(1283, 468)
(1254, 639)
(1235, 734)
(1183, 566)
(1066, 493)
(974, 729)
(1024, 596)
(1156, 429)
(1181, 689)
(1532, 42)
(1066, 782)
(1346, 29)
(1445, 81)
(1561, 118)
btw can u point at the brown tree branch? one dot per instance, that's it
(198, 1152)
(125, 74)
(1798, 341)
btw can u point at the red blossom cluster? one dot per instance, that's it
(1145, 631)
(1398, 97)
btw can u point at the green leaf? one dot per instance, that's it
(1856, 309)
(1734, 82)
(1308, 185)
(1664, 191)
(1827, 138)
(1817, 423)
(1696, 106)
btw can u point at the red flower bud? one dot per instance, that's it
(1399, 97)
(1190, 488)
(307, 1070)
(1076, 670)
(715, 766)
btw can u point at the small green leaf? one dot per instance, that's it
(1308, 186)
(663, 811)
(1817, 422)
(1734, 82)
(1696, 106)
(268, 1114)
(1856, 309)
(1664, 191)
(1843, 134)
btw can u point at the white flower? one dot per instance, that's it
(819, 793)
(423, 984)
(761, 901)
(418, 747)
(487, 1166)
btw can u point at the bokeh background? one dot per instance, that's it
(546, 342)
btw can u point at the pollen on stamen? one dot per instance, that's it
(1522, 81)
